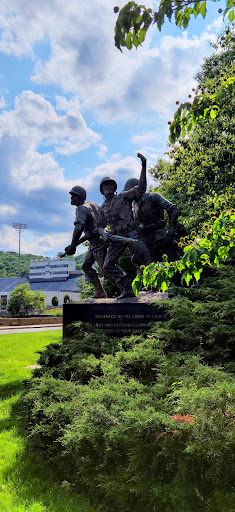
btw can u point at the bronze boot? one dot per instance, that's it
(99, 290)
(127, 288)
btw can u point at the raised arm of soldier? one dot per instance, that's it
(138, 190)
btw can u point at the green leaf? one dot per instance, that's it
(193, 256)
(137, 284)
(187, 277)
(196, 8)
(230, 3)
(142, 34)
(136, 40)
(213, 114)
(164, 286)
(128, 41)
(172, 138)
(185, 22)
(197, 274)
(203, 9)
(231, 16)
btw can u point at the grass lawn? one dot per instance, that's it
(26, 485)
(53, 311)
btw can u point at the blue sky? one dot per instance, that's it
(74, 109)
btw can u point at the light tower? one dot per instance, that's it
(19, 227)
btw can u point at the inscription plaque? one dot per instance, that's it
(116, 319)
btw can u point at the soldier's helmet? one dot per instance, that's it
(104, 180)
(79, 191)
(132, 182)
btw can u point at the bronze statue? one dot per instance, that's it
(116, 211)
(148, 212)
(86, 221)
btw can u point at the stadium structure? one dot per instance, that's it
(52, 277)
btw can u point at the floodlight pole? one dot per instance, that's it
(19, 255)
(19, 227)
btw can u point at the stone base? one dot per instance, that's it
(117, 317)
(147, 297)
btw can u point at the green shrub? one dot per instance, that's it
(67, 299)
(144, 422)
(55, 301)
(58, 314)
(169, 445)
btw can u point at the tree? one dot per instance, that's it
(215, 92)
(9, 262)
(134, 20)
(200, 175)
(24, 301)
(80, 260)
(200, 178)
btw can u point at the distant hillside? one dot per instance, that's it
(9, 262)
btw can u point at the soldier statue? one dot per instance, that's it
(148, 212)
(86, 221)
(116, 211)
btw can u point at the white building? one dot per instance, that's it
(51, 270)
(52, 277)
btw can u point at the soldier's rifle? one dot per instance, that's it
(118, 238)
(111, 238)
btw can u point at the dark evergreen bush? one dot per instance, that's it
(67, 299)
(55, 301)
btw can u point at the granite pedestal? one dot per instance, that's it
(117, 317)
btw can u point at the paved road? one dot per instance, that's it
(31, 329)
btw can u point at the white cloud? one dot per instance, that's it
(5, 209)
(33, 182)
(83, 60)
(141, 139)
(216, 25)
(62, 103)
(34, 118)
(102, 151)
(2, 102)
(114, 157)
(34, 243)
(33, 122)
